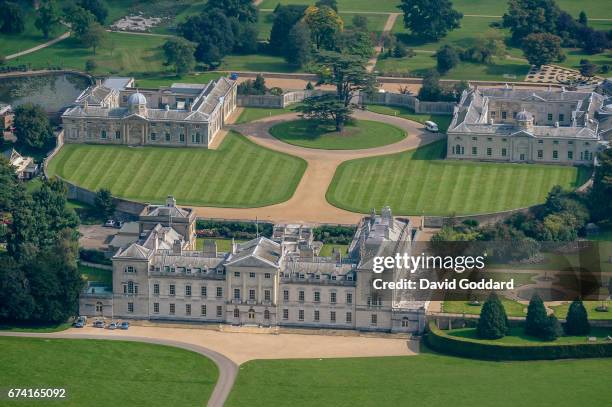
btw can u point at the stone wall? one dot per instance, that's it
(482, 219)
(277, 101)
(409, 101)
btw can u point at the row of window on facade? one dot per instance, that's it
(188, 308)
(333, 298)
(504, 115)
(584, 155)
(188, 290)
(195, 138)
(504, 140)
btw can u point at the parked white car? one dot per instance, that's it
(431, 126)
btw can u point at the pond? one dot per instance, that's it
(52, 91)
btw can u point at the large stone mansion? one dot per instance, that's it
(265, 282)
(180, 115)
(504, 124)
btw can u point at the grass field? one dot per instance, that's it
(501, 70)
(513, 308)
(420, 182)
(30, 37)
(107, 373)
(357, 135)
(238, 174)
(256, 63)
(122, 54)
(441, 120)
(223, 245)
(594, 8)
(327, 249)
(250, 114)
(561, 310)
(517, 336)
(427, 379)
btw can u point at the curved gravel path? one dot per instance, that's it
(227, 368)
(308, 204)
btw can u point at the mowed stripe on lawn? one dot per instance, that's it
(420, 182)
(238, 174)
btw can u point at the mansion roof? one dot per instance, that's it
(472, 113)
(92, 103)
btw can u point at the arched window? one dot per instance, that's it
(236, 313)
(266, 314)
(99, 307)
(251, 313)
(458, 149)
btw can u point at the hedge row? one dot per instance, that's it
(439, 341)
(232, 229)
(94, 256)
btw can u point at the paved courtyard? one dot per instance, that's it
(260, 345)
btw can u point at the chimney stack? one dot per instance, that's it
(177, 247)
(170, 201)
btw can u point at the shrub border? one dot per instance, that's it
(441, 342)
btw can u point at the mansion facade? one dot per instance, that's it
(263, 282)
(180, 115)
(508, 125)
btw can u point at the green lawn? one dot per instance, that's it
(420, 182)
(238, 174)
(427, 379)
(96, 274)
(561, 310)
(517, 336)
(250, 114)
(256, 63)
(223, 245)
(593, 8)
(107, 373)
(502, 70)
(122, 54)
(343, 5)
(441, 120)
(30, 37)
(327, 249)
(358, 135)
(513, 308)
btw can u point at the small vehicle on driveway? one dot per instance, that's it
(109, 224)
(431, 126)
(98, 323)
(124, 325)
(112, 325)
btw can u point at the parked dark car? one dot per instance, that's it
(124, 325)
(98, 324)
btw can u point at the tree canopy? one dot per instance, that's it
(430, 19)
(542, 48)
(47, 17)
(12, 18)
(39, 280)
(577, 321)
(32, 126)
(493, 321)
(284, 19)
(324, 24)
(180, 53)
